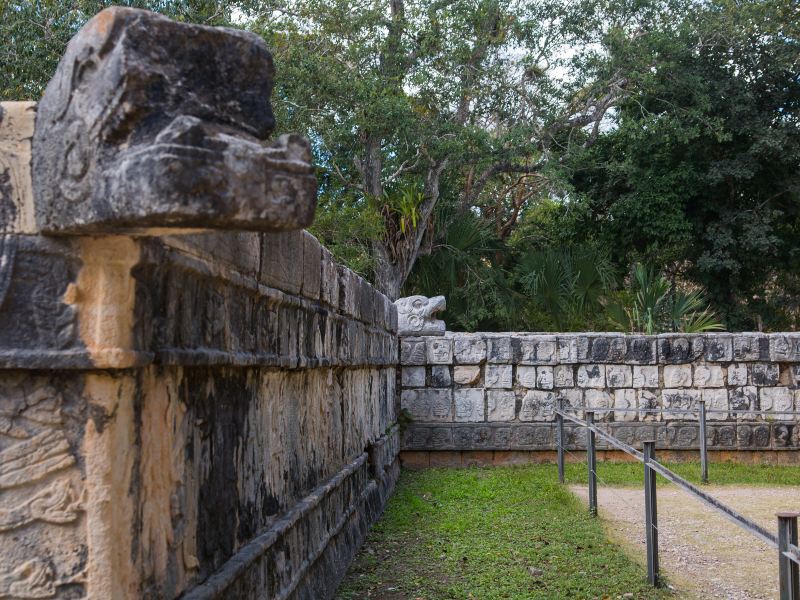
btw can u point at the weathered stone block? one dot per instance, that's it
(764, 374)
(469, 405)
(782, 436)
(677, 376)
(563, 376)
(498, 376)
(683, 401)
(16, 195)
(573, 348)
(469, 349)
(428, 405)
(750, 347)
(608, 348)
(440, 376)
(648, 402)
(126, 153)
(544, 378)
(535, 350)
(675, 348)
(716, 399)
(439, 351)
(412, 351)
(413, 377)
(312, 266)
(416, 315)
(466, 374)
(645, 377)
(598, 400)
(625, 405)
(537, 405)
(280, 253)
(526, 376)
(719, 347)
(619, 376)
(501, 404)
(499, 350)
(784, 347)
(571, 397)
(737, 375)
(592, 376)
(640, 350)
(777, 399)
(709, 376)
(743, 399)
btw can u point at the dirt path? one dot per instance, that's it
(703, 554)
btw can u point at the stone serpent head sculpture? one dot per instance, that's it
(415, 315)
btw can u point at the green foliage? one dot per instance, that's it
(652, 305)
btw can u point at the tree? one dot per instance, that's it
(403, 94)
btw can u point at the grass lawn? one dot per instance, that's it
(511, 533)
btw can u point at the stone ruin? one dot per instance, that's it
(196, 401)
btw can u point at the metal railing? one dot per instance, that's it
(786, 541)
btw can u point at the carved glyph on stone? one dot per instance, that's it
(416, 315)
(151, 123)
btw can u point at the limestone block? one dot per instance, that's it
(571, 397)
(794, 375)
(498, 376)
(645, 377)
(716, 399)
(782, 436)
(428, 405)
(764, 374)
(784, 347)
(592, 376)
(600, 401)
(16, 195)
(537, 405)
(619, 376)
(535, 350)
(677, 376)
(777, 399)
(648, 401)
(416, 315)
(544, 378)
(709, 376)
(624, 399)
(752, 436)
(563, 376)
(439, 351)
(526, 376)
(677, 348)
(719, 347)
(684, 401)
(573, 348)
(280, 253)
(737, 375)
(329, 279)
(469, 405)
(125, 154)
(499, 350)
(640, 350)
(750, 346)
(501, 404)
(412, 351)
(440, 376)
(312, 266)
(412, 377)
(608, 348)
(743, 398)
(466, 374)
(469, 349)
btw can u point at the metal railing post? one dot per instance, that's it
(560, 439)
(703, 444)
(591, 459)
(787, 568)
(651, 514)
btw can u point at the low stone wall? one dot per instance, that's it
(496, 392)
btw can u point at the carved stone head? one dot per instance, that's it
(415, 315)
(151, 123)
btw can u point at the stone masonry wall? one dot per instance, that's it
(482, 391)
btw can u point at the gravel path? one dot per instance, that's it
(702, 554)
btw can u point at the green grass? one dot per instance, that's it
(632, 474)
(510, 533)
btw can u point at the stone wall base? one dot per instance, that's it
(501, 458)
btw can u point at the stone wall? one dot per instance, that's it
(183, 413)
(497, 392)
